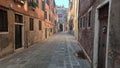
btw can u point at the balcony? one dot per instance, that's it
(22, 2)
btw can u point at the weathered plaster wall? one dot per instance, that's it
(114, 40)
(7, 39)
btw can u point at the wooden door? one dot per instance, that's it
(18, 36)
(103, 20)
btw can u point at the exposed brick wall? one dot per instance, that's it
(86, 41)
(86, 34)
(84, 6)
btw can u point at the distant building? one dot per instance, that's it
(62, 14)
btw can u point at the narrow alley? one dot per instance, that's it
(57, 51)
(59, 33)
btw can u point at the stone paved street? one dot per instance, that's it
(55, 52)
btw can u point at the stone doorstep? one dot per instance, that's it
(19, 49)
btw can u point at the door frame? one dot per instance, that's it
(22, 26)
(96, 34)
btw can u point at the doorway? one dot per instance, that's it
(45, 32)
(18, 31)
(103, 25)
(61, 27)
(18, 36)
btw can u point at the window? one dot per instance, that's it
(3, 21)
(49, 18)
(43, 5)
(31, 24)
(78, 23)
(51, 30)
(89, 19)
(83, 21)
(45, 15)
(47, 1)
(40, 25)
(18, 18)
(36, 1)
(71, 5)
(33, 3)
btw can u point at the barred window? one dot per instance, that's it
(45, 14)
(31, 24)
(3, 21)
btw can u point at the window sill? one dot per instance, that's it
(89, 28)
(83, 28)
(4, 32)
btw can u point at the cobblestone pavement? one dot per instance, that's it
(55, 52)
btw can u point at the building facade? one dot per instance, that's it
(73, 17)
(99, 32)
(62, 13)
(75, 7)
(50, 18)
(107, 41)
(86, 27)
(23, 24)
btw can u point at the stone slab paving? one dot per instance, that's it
(56, 52)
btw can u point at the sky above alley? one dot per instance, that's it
(62, 3)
